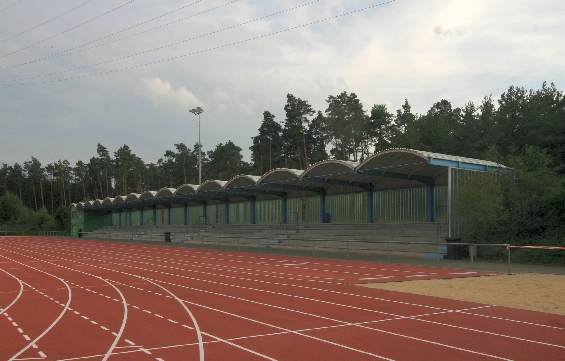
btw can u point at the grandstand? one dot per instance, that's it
(402, 195)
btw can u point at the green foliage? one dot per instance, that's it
(524, 205)
(11, 209)
(522, 128)
(13, 212)
(480, 203)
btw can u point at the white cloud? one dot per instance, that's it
(162, 92)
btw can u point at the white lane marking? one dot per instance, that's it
(124, 303)
(375, 278)
(418, 275)
(48, 329)
(187, 310)
(430, 321)
(295, 264)
(7, 307)
(463, 273)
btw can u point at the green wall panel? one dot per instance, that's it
(269, 211)
(178, 215)
(304, 210)
(240, 213)
(347, 208)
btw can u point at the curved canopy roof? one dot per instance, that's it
(165, 193)
(212, 185)
(390, 169)
(329, 168)
(412, 160)
(280, 175)
(133, 197)
(186, 189)
(147, 195)
(119, 200)
(242, 181)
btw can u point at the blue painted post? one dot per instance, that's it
(431, 204)
(186, 214)
(141, 220)
(169, 215)
(227, 212)
(285, 209)
(253, 210)
(322, 207)
(154, 215)
(370, 206)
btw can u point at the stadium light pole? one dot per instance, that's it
(197, 111)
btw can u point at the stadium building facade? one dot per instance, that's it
(394, 188)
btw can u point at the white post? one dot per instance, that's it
(199, 154)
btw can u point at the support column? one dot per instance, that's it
(141, 220)
(154, 215)
(120, 217)
(227, 212)
(323, 207)
(186, 214)
(284, 209)
(370, 203)
(253, 210)
(431, 203)
(130, 217)
(169, 215)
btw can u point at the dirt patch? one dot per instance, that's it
(536, 292)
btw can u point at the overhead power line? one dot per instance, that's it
(211, 49)
(68, 30)
(45, 22)
(169, 45)
(99, 42)
(6, 7)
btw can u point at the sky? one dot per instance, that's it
(74, 73)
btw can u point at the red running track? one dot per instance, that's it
(64, 299)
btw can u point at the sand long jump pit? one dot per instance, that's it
(528, 291)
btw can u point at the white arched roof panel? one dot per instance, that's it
(212, 185)
(329, 168)
(147, 195)
(165, 192)
(280, 175)
(242, 181)
(186, 189)
(133, 197)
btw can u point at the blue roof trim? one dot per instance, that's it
(457, 164)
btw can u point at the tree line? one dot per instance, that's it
(518, 124)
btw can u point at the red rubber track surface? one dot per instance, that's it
(64, 299)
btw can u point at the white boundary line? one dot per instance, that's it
(341, 293)
(366, 327)
(67, 304)
(4, 309)
(196, 327)
(179, 300)
(469, 329)
(125, 311)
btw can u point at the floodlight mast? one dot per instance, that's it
(197, 111)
